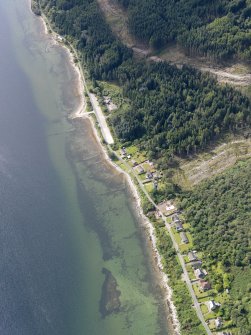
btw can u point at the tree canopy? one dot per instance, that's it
(215, 28)
(172, 111)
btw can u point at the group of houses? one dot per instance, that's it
(204, 285)
(177, 223)
(179, 228)
(150, 174)
(200, 273)
(196, 263)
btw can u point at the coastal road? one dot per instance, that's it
(181, 258)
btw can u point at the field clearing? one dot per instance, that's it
(117, 19)
(206, 165)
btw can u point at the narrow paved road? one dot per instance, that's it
(181, 258)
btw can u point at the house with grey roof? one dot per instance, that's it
(191, 256)
(184, 237)
(140, 169)
(175, 218)
(178, 226)
(196, 264)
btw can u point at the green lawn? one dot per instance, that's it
(191, 272)
(132, 150)
(211, 324)
(186, 226)
(149, 187)
(210, 316)
(204, 309)
(186, 259)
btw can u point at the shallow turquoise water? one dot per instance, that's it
(64, 216)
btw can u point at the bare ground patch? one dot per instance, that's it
(192, 172)
(238, 75)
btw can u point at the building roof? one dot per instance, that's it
(218, 322)
(196, 264)
(199, 273)
(212, 304)
(184, 237)
(191, 255)
(205, 285)
(178, 225)
(175, 218)
(140, 169)
(149, 175)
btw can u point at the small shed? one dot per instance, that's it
(184, 237)
(123, 150)
(155, 185)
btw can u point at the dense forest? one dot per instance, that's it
(219, 211)
(176, 111)
(215, 28)
(172, 111)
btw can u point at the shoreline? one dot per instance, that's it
(80, 112)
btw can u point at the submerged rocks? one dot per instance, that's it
(109, 302)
